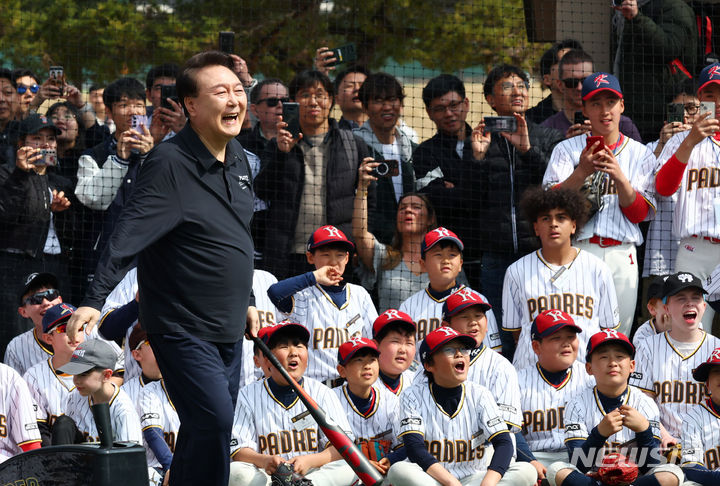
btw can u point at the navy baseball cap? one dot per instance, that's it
(267, 332)
(441, 336)
(680, 281)
(433, 237)
(390, 316)
(37, 280)
(709, 75)
(656, 289)
(461, 300)
(88, 355)
(598, 82)
(701, 372)
(326, 235)
(34, 123)
(606, 336)
(551, 321)
(350, 348)
(56, 315)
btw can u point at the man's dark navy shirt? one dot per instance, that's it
(188, 221)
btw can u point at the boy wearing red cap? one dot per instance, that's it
(447, 421)
(271, 425)
(701, 428)
(394, 333)
(603, 418)
(333, 311)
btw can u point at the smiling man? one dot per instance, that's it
(188, 222)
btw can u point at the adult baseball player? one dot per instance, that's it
(18, 426)
(584, 289)
(627, 193)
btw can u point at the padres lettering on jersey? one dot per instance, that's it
(574, 304)
(701, 436)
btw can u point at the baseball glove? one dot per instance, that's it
(592, 191)
(673, 453)
(617, 470)
(284, 475)
(375, 449)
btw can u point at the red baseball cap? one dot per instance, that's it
(609, 336)
(390, 316)
(461, 300)
(551, 321)
(433, 237)
(701, 372)
(350, 348)
(266, 333)
(439, 337)
(326, 235)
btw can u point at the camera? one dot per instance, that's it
(49, 158)
(675, 112)
(226, 41)
(386, 168)
(494, 124)
(168, 91)
(346, 53)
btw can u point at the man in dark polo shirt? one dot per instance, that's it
(188, 223)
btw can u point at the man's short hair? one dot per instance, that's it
(550, 57)
(96, 86)
(167, 70)
(20, 72)
(501, 71)
(129, 87)
(687, 87)
(380, 85)
(574, 56)
(440, 86)
(308, 79)
(349, 70)
(186, 83)
(255, 93)
(5, 73)
(537, 201)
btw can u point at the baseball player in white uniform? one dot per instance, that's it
(18, 427)
(272, 425)
(659, 319)
(557, 276)
(394, 332)
(446, 423)
(160, 424)
(627, 193)
(701, 428)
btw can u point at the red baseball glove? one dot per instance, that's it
(617, 470)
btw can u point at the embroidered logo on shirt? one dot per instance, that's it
(244, 181)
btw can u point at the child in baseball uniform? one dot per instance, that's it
(625, 167)
(442, 258)
(394, 333)
(273, 427)
(333, 311)
(371, 409)
(545, 388)
(659, 318)
(701, 428)
(665, 361)
(17, 413)
(144, 360)
(599, 420)
(446, 422)
(558, 275)
(92, 366)
(48, 386)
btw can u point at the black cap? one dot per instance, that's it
(680, 281)
(656, 289)
(34, 123)
(37, 280)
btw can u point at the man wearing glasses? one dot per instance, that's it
(7, 113)
(574, 67)
(27, 87)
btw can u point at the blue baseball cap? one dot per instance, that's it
(710, 74)
(57, 314)
(598, 82)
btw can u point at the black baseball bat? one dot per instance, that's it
(367, 473)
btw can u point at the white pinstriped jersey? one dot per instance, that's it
(406, 379)
(585, 290)
(27, 350)
(701, 437)
(699, 188)
(18, 422)
(459, 441)
(637, 163)
(123, 417)
(123, 293)
(543, 405)
(262, 423)
(426, 311)
(156, 410)
(712, 285)
(585, 411)
(661, 369)
(267, 312)
(330, 325)
(380, 419)
(49, 389)
(133, 386)
(646, 330)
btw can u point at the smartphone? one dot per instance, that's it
(591, 140)
(675, 112)
(494, 124)
(707, 107)
(291, 116)
(579, 118)
(168, 91)
(616, 3)
(138, 120)
(386, 168)
(346, 53)
(227, 42)
(49, 158)
(57, 75)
